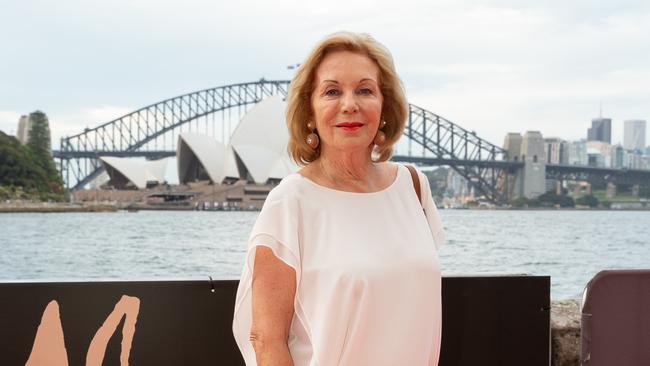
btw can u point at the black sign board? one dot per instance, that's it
(501, 320)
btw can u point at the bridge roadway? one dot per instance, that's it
(557, 171)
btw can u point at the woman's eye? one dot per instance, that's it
(331, 92)
(365, 91)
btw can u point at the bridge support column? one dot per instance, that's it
(635, 189)
(534, 158)
(558, 187)
(611, 190)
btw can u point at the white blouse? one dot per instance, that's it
(367, 273)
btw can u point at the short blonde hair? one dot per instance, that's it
(299, 110)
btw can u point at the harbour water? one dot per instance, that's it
(569, 246)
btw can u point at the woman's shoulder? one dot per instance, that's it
(289, 188)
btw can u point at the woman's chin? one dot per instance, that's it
(353, 147)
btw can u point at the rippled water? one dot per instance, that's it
(570, 246)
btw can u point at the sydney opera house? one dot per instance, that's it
(240, 172)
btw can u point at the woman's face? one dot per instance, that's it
(346, 102)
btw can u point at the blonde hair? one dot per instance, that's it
(299, 110)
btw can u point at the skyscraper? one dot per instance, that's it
(634, 134)
(24, 125)
(601, 130)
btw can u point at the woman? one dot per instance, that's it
(342, 266)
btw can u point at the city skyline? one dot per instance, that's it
(494, 67)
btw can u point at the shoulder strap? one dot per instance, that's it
(416, 182)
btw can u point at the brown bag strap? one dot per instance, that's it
(416, 182)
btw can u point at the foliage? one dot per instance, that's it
(550, 199)
(522, 202)
(39, 135)
(438, 181)
(39, 143)
(644, 191)
(25, 175)
(587, 200)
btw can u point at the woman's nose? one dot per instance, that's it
(349, 103)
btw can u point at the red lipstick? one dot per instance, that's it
(349, 126)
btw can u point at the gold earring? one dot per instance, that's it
(312, 139)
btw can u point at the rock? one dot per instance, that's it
(565, 332)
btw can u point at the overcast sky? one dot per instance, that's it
(490, 66)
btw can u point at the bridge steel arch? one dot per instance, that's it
(441, 141)
(480, 162)
(130, 134)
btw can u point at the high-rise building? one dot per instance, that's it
(605, 150)
(618, 157)
(556, 151)
(601, 130)
(577, 153)
(24, 125)
(634, 134)
(633, 160)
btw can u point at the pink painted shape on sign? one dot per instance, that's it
(49, 345)
(128, 306)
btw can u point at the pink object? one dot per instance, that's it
(615, 324)
(367, 272)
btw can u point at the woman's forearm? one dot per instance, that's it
(272, 353)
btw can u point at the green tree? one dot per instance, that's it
(550, 199)
(587, 200)
(28, 174)
(39, 134)
(644, 191)
(40, 145)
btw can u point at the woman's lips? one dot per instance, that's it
(349, 126)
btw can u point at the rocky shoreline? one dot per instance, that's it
(55, 207)
(565, 332)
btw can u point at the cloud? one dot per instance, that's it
(9, 122)
(74, 122)
(494, 66)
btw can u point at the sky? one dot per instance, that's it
(490, 66)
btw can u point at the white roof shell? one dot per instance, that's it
(261, 138)
(216, 158)
(136, 171)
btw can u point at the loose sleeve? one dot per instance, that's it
(277, 227)
(430, 209)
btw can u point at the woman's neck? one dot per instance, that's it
(354, 170)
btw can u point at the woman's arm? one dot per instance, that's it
(274, 289)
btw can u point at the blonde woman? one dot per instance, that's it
(342, 265)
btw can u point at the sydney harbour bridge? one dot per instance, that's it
(152, 131)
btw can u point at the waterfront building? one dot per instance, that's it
(24, 126)
(125, 173)
(200, 157)
(601, 130)
(556, 151)
(605, 150)
(634, 160)
(577, 153)
(618, 157)
(634, 134)
(256, 154)
(595, 158)
(459, 187)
